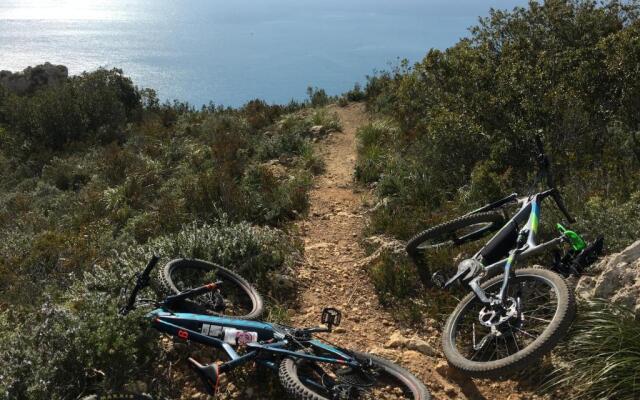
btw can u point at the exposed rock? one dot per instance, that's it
(383, 244)
(32, 78)
(276, 169)
(421, 346)
(317, 131)
(617, 278)
(396, 340)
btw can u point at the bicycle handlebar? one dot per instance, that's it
(544, 163)
(560, 203)
(141, 282)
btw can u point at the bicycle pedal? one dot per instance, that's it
(209, 374)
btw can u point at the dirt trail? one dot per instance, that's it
(333, 275)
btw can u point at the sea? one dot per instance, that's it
(231, 51)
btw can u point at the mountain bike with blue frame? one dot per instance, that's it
(510, 320)
(309, 368)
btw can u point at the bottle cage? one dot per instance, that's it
(576, 241)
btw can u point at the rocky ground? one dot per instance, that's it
(615, 277)
(334, 274)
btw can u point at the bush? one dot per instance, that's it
(354, 95)
(93, 106)
(317, 97)
(373, 140)
(602, 355)
(79, 344)
(618, 222)
(394, 280)
(329, 121)
(466, 115)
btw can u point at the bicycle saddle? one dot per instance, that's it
(209, 374)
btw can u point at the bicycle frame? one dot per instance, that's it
(271, 341)
(526, 246)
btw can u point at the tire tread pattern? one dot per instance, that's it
(561, 324)
(169, 287)
(295, 388)
(449, 226)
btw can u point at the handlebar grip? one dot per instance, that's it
(560, 203)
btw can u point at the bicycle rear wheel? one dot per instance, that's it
(380, 380)
(234, 296)
(455, 232)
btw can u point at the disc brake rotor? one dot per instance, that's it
(493, 318)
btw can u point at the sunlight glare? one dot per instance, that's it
(60, 10)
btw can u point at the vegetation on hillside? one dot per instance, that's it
(459, 124)
(455, 131)
(97, 176)
(601, 359)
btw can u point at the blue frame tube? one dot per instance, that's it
(185, 333)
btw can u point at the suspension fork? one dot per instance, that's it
(509, 273)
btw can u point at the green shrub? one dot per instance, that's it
(618, 222)
(373, 141)
(601, 358)
(394, 279)
(79, 344)
(323, 117)
(408, 290)
(257, 253)
(274, 198)
(94, 106)
(355, 94)
(466, 115)
(317, 97)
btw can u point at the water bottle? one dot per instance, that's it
(236, 337)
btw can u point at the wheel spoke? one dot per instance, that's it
(538, 302)
(538, 319)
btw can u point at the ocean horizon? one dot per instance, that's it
(228, 53)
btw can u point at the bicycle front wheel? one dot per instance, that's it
(233, 297)
(540, 309)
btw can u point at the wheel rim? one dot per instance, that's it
(338, 381)
(538, 306)
(453, 237)
(229, 298)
